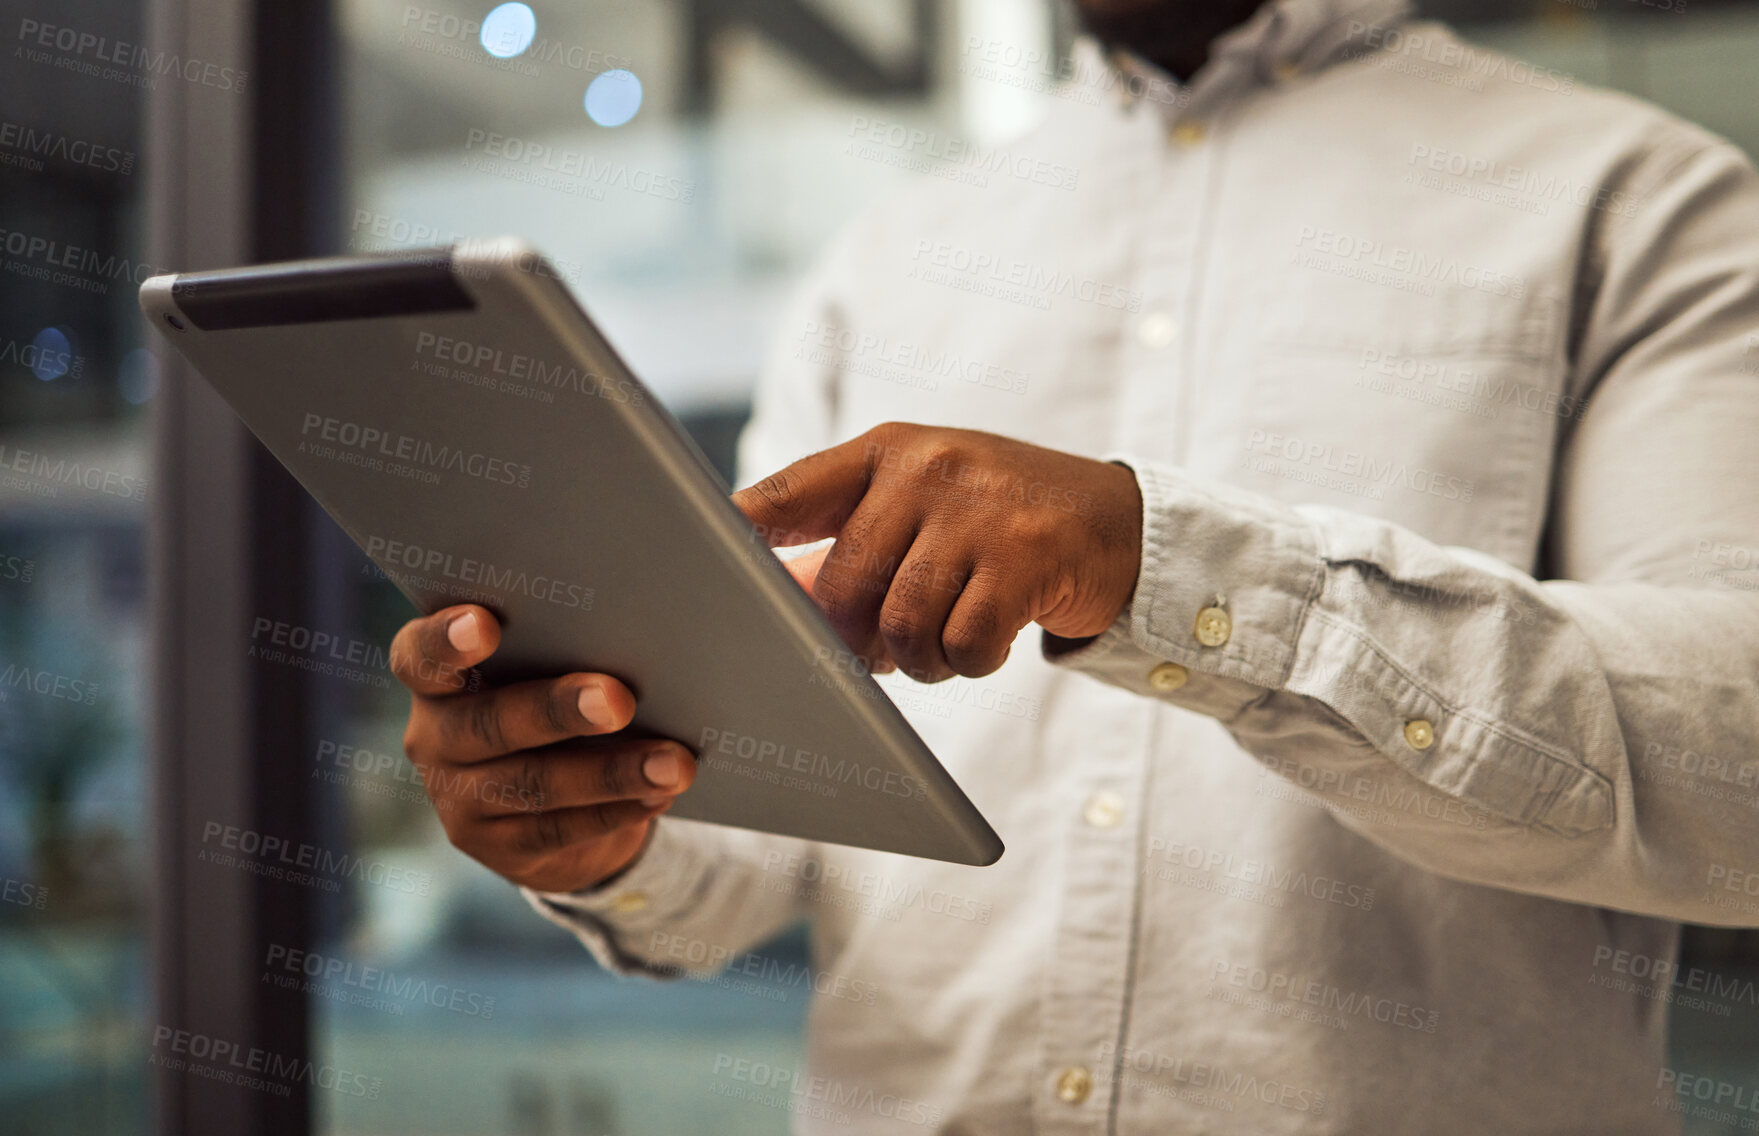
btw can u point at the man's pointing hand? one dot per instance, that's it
(948, 542)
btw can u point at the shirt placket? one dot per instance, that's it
(1087, 984)
(1154, 357)
(1087, 995)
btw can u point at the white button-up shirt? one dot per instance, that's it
(1435, 708)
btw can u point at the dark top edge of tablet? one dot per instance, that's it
(322, 291)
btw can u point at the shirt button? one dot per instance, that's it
(1104, 810)
(629, 902)
(1168, 677)
(1156, 330)
(1188, 133)
(1419, 733)
(1213, 627)
(1287, 71)
(1074, 1085)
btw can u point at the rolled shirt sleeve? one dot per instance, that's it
(1599, 725)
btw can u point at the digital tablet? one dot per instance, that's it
(465, 423)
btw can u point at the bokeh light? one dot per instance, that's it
(509, 30)
(613, 97)
(52, 354)
(138, 377)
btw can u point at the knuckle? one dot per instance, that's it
(906, 630)
(941, 451)
(858, 532)
(596, 824)
(893, 432)
(914, 583)
(425, 639)
(1032, 529)
(780, 491)
(541, 834)
(446, 788)
(877, 439)
(615, 775)
(840, 597)
(551, 831)
(414, 740)
(530, 783)
(405, 654)
(970, 640)
(854, 575)
(561, 710)
(483, 721)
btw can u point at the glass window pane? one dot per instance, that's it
(76, 380)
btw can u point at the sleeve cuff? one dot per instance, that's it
(1228, 609)
(1226, 582)
(612, 919)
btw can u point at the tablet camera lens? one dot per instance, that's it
(174, 322)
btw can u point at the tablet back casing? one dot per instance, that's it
(463, 421)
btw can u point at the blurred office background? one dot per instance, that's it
(697, 156)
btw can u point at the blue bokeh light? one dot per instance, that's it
(138, 377)
(613, 97)
(52, 354)
(509, 30)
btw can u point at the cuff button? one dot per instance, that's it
(1214, 625)
(1168, 677)
(1419, 733)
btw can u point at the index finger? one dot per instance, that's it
(810, 499)
(433, 654)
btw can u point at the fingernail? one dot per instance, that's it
(655, 802)
(463, 633)
(662, 769)
(594, 706)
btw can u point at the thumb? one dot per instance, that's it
(805, 568)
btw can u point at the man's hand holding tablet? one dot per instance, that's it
(533, 780)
